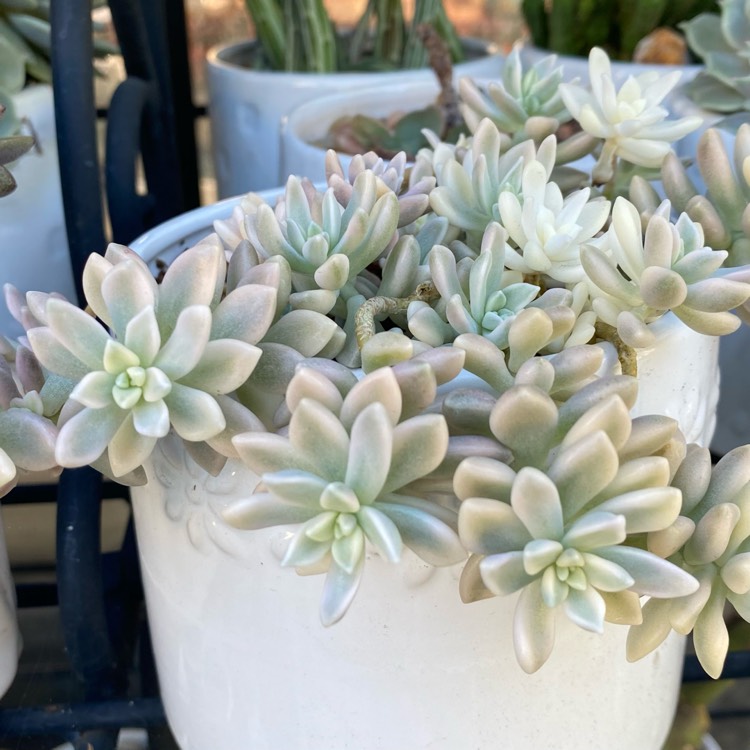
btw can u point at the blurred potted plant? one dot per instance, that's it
(642, 32)
(414, 387)
(26, 94)
(298, 56)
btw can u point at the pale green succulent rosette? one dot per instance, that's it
(468, 189)
(523, 104)
(328, 245)
(27, 434)
(412, 187)
(711, 541)
(485, 303)
(631, 121)
(340, 472)
(721, 41)
(548, 228)
(173, 352)
(554, 524)
(637, 276)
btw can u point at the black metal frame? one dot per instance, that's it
(150, 121)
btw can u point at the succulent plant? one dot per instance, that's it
(172, 353)
(721, 41)
(523, 104)
(27, 435)
(428, 357)
(11, 148)
(636, 276)
(554, 522)
(722, 208)
(301, 36)
(342, 472)
(631, 121)
(710, 539)
(25, 49)
(573, 27)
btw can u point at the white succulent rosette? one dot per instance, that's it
(554, 524)
(523, 104)
(328, 245)
(710, 540)
(343, 472)
(467, 191)
(631, 121)
(547, 228)
(482, 297)
(27, 434)
(172, 354)
(636, 276)
(412, 187)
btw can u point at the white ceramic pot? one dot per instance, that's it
(247, 106)
(244, 662)
(32, 223)
(309, 124)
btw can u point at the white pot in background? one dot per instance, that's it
(309, 124)
(33, 242)
(244, 662)
(247, 106)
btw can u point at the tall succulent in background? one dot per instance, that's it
(301, 36)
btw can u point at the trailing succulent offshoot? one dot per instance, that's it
(492, 303)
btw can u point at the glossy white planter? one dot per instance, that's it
(244, 662)
(247, 107)
(309, 124)
(32, 224)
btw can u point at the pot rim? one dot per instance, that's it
(221, 56)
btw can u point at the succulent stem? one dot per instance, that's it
(364, 321)
(626, 354)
